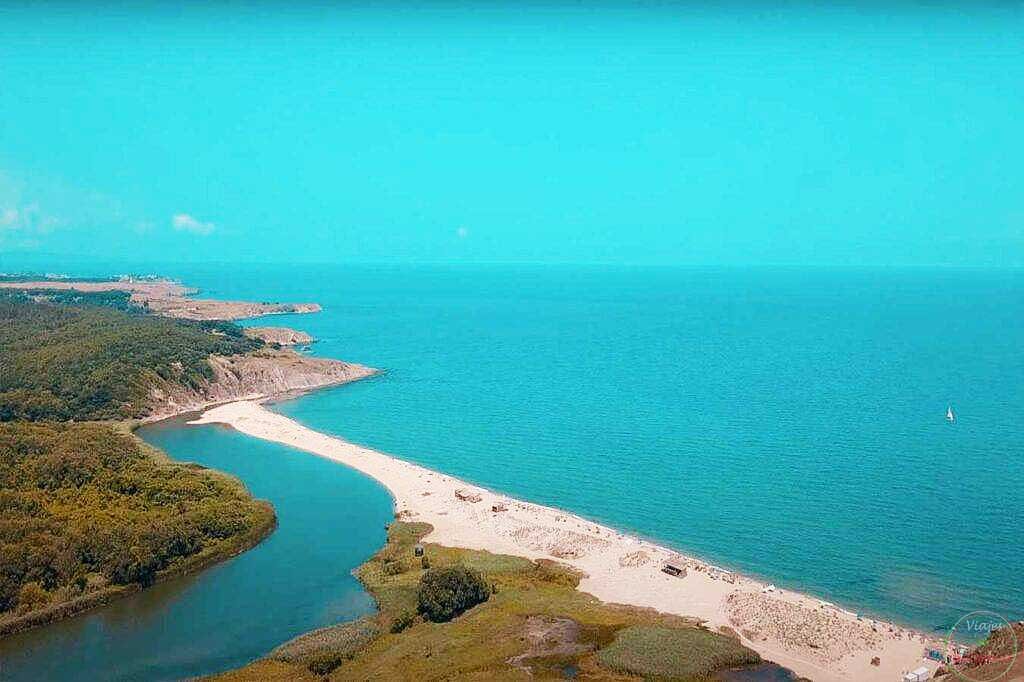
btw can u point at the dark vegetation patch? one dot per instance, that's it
(445, 593)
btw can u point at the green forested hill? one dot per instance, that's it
(85, 508)
(84, 359)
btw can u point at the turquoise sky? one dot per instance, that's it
(863, 133)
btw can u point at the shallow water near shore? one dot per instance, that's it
(330, 520)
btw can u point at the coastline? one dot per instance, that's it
(263, 375)
(814, 638)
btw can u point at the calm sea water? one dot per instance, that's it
(788, 423)
(331, 519)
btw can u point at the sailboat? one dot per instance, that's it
(950, 417)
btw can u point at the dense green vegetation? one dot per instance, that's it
(445, 593)
(88, 361)
(85, 508)
(120, 300)
(535, 625)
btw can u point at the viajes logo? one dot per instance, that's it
(990, 662)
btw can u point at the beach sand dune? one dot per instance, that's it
(815, 639)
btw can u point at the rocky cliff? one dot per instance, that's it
(261, 374)
(282, 336)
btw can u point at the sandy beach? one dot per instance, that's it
(814, 638)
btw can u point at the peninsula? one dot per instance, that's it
(818, 640)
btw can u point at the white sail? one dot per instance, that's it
(949, 414)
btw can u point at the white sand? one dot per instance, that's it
(816, 640)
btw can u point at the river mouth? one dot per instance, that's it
(330, 520)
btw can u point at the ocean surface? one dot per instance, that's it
(789, 423)
(330, 520)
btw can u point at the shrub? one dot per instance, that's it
(32, 596)
(392, 567)
(447, 592)
(402, 622)
(425, 563)
(325, 664)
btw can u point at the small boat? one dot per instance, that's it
(950, 417)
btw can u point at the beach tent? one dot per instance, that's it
(919, 675)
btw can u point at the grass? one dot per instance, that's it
(496, 640)
(659, 652)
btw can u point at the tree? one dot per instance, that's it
(32, 596)
(447, 592)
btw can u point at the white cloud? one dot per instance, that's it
(27, 218)
(183, 222)
(9, 218)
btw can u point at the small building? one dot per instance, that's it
(498, 508)
(467, 495)
(919, 675)
(418, 550)
(674, 568)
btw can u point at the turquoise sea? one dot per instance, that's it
(786, 422)
(789, 423)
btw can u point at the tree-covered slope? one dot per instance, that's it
(88, 510)
(80, 358)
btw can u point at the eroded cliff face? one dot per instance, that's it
(262, 374)
(283, 336)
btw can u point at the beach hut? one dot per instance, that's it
(674, 568)
(467, 495)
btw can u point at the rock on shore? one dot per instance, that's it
(283, 336)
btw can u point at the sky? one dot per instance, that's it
(693, 134)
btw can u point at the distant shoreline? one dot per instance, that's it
(167, 297)
(813, 638)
